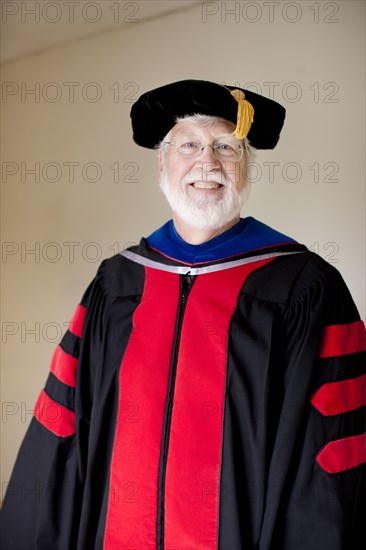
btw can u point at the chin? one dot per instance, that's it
(203, 222)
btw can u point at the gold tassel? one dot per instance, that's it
(245, 115)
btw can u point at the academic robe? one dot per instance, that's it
(204, 397)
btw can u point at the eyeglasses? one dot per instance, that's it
(222, 150)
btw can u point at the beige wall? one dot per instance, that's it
(311, 56)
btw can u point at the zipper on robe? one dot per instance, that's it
(186, 283)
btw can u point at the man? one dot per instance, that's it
(210, 392)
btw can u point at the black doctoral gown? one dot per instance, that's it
(216, 404)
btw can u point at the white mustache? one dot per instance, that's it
(199, 175)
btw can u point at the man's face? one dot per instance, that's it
(203, 191)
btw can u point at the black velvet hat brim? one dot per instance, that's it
(154, 114)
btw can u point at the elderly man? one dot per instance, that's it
(210, 391)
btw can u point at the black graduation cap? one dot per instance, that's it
(256, 117)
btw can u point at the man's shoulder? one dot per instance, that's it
(119, 277)
(292, 276)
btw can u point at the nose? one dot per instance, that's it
(208, 155)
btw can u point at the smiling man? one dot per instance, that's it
(210, 392)
(203, 176)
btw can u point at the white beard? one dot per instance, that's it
(204, 212)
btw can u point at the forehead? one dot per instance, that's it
(215, 129)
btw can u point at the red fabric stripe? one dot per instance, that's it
(144, 374)
(343, 339)
(343, 454)
(340, 397)
(64, 366)
(193, 468)
(77, 321)
(53, 416)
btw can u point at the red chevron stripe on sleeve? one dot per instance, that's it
(340, 397)
(55, 417)
(343, 454)
(77, 321)
(64, 366)
(343, 339)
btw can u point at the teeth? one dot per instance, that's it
(206, 185)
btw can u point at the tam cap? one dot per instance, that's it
(258, 118)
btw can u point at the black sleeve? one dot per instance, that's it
(42, 504)
(316, 495)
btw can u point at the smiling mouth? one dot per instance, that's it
(206, 185)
